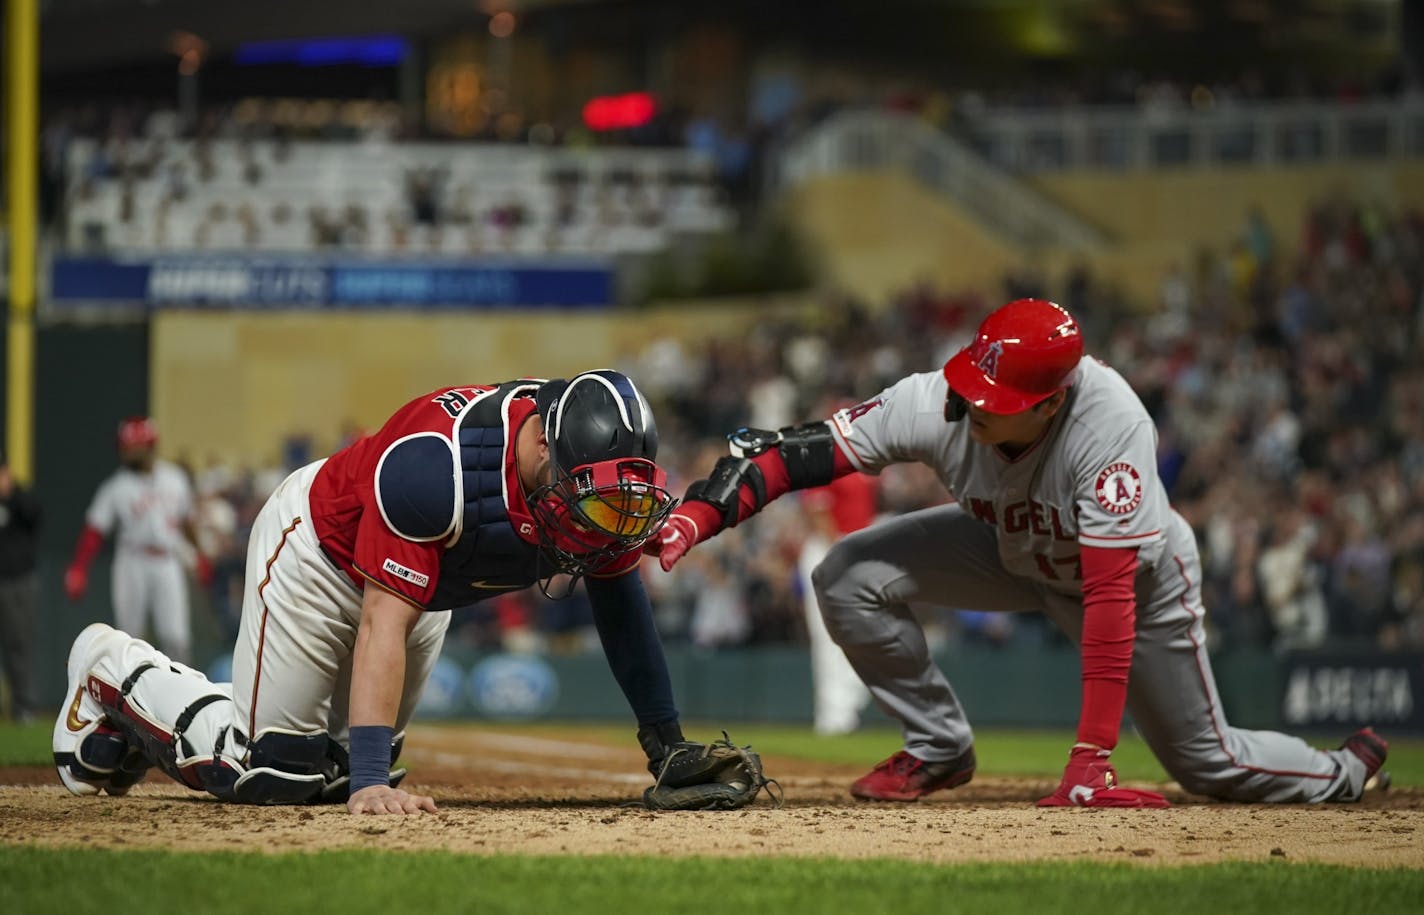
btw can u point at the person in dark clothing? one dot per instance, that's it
(19, 525)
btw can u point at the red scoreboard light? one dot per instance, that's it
(619, 112)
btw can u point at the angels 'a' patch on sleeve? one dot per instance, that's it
(1119, 488)
(417, 489)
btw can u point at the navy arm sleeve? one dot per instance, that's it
(624, 618)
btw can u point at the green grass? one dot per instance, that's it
(42, 880)
(26, 746)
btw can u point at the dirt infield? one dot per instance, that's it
(553, 794)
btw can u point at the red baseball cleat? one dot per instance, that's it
(1371, 749)
(903, 777)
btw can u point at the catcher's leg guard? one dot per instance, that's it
(198, 762)
(172, 715)
(102, 759)
(283, 767)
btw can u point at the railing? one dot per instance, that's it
(1126, 138)
(874, 139)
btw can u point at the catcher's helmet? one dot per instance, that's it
(605, 496)
(1022, 354)
(137, 432)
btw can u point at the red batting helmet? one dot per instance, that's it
(137, 431)
(1022, 354)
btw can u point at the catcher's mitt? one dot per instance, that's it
(715, 776)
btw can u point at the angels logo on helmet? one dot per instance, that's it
(989, 362)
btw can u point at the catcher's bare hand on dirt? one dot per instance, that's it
(1089, 780)
(385, 799)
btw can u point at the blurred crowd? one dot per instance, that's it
(1287, 384)
(1283, 374)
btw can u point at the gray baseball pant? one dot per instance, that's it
(945, 557)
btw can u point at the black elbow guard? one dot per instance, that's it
(809, 451)
(722, 489)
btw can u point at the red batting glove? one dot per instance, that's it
(203, 571)
(675, 538)
(693, 522)
(76, 581)
(1089, 781)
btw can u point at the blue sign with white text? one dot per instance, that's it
(234, 281)
(1341, 690)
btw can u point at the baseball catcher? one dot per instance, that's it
(354, 567)
(697, 776)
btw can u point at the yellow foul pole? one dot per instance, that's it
(21, 129)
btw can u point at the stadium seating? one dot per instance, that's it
(384, 198)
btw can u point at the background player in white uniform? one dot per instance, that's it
(353, 567)
(147, 506)
(843, 507)
(1051, 458)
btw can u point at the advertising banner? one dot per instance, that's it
(238, 281)
(1342, 691)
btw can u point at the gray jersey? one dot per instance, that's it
(1092, 478)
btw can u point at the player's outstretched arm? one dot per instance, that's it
(762, 467)
(377, 682)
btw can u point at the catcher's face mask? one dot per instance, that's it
(592, 515)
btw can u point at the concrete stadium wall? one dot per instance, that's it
(1163, 218)
(876, 233)
(1209, 207)
(236, 384)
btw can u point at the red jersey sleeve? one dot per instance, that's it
(406, 568)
